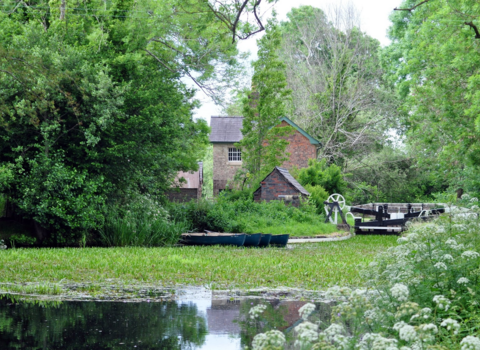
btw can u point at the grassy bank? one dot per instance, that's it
(311, 266)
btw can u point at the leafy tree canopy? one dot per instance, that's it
(92, 105)
(433, 62)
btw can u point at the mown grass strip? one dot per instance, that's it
(310, 266)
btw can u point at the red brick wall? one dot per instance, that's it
(275, 185)
(300, 149)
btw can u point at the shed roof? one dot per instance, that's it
(226, 129)
(289, 178)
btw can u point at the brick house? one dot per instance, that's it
(190, 189)
(227, 159)
(280, 185)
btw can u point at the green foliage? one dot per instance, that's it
(141, 222)
(319, 173)
(220, 266)
(318, 195)
(237, 212)
(263, 144)
(433, 62)
(93, 108)
(23, 240)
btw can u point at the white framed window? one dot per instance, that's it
(234, 154)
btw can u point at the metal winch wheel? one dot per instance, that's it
(336, 197)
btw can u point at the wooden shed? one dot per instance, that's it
(280, 185)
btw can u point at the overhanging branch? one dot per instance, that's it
(412, 8)
(474, 27)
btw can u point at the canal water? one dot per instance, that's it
(180, 324)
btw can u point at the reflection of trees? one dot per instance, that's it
(100, 325)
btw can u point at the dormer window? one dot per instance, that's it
(234, 154)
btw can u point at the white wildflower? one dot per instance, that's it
(442, 302)
(427, 332)
(373, 341)
(256, 311)
(402, 240)
(447, 257)
(469, 254)
(441, 266)
(307, 332)
(463, 280)
(406, 332)
(451, 324)
(426, 312)
(451, 242)
(400, 292)
(306, 310)
(268, 340)
(470, 343)
(474, 200)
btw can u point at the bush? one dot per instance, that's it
(143, 222)
(318, 195)
(421, 294)
(245, 215)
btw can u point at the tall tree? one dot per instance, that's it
(263, 144)
(434, 62)
(92, 102)
(334, 73)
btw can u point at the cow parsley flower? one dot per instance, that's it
(334, 333)
(463, 280)
(469, 254)
(400, 292)
(442, 302)
(451, 324)
(470, 343)
(376, 341)
(256, 311)
(441, 266)
(447, 257)
(307, 332)
(427, 332)
(268, 340)
(406, 332)
(306, 310)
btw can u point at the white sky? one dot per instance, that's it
(374, 21)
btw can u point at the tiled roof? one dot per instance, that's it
(226, 129)
(292, 181)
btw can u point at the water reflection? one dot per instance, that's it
(187, 324)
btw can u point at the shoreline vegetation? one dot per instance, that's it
(305, 266)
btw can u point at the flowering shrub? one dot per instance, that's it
(421, 294)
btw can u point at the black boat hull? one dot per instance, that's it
(279, 240)
(237, 240)
(252, 240)
(265, 240)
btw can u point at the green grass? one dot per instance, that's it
(312, 266)
(296, 229)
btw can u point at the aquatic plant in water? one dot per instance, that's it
(421, 294)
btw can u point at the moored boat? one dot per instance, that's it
(279, 240)
(253, 240)
(265, 240)
(213, 238)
